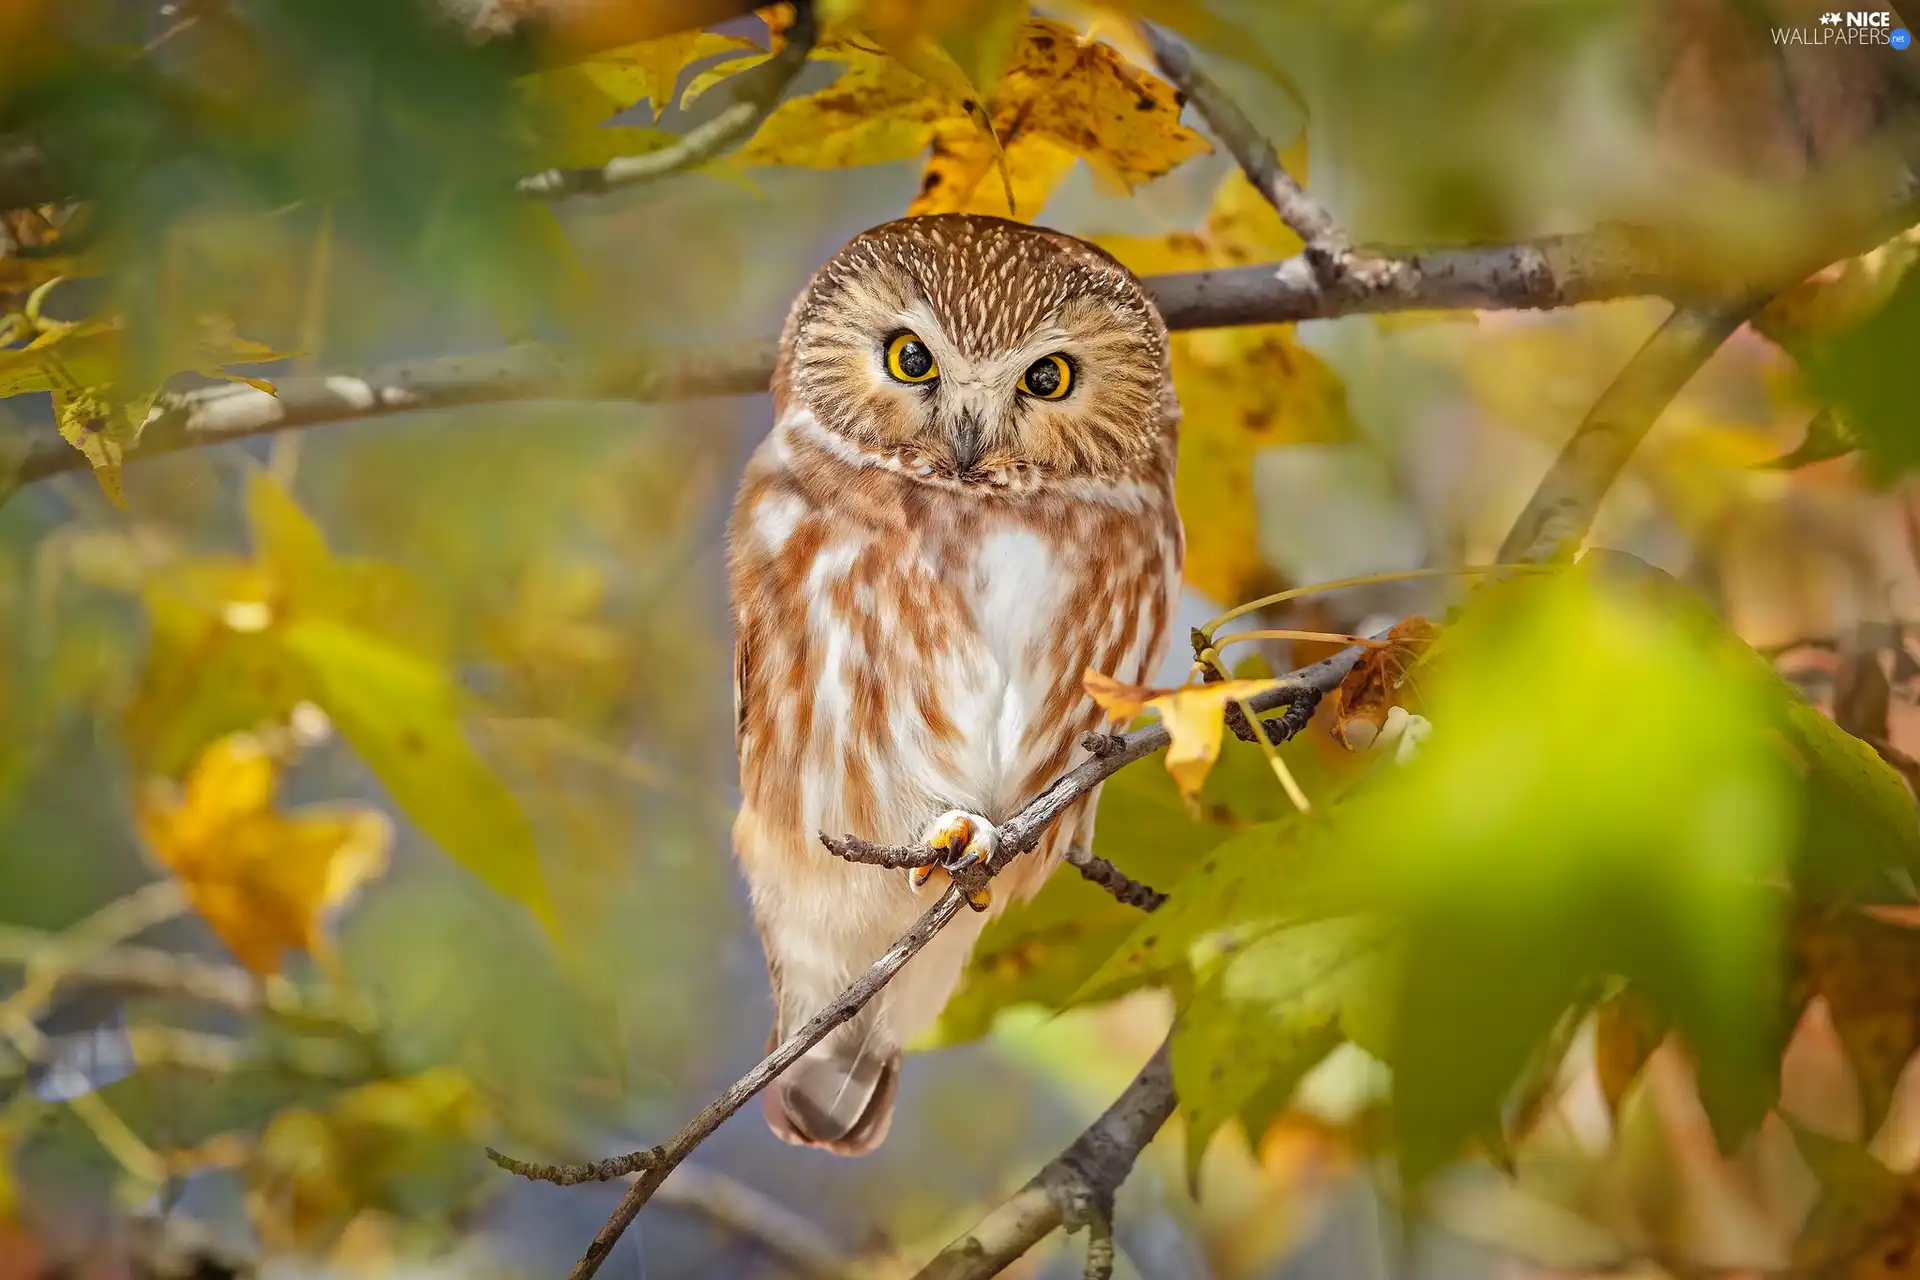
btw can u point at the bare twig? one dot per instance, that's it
(1562, 508)
(757, 92)
(1075, 1189)
(1125, 889)
(1326, 245)
(1017, 835)
(738, 1208)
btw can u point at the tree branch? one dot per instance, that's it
(1562, 508)
(1075, 1189)
(1555, 271)
(756, 93)
(1125, 889)
(1325, 243)
(738, 1208)
(1017, 835)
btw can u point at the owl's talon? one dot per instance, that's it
(980, 901)
(968, 840)
(918, 876)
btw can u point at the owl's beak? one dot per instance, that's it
(969, 442)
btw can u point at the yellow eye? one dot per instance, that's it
(1048, 378)
(908, 359)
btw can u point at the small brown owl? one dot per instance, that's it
(966, 500)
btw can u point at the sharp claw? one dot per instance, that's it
(918, 876)
(980, 901)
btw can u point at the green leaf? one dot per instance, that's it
(1264, 1015)
(402, 715)
(1603, 795)
(1040, 951)
(1861, 838)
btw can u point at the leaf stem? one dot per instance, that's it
(1367, 580)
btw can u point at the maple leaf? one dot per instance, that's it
(263, 880)
(1060, 98)
(1195, 716)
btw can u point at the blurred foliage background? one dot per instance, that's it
(364, 789)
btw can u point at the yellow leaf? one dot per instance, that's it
(1060, 98)
(263, 881)
(316, 1175)
(402, 714)
(651, 69)
(1195, 717)
(1194, 714)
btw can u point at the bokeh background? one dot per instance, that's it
(336, 181)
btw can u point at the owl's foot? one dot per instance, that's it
(968, 840)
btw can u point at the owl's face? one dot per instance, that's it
(977, 349)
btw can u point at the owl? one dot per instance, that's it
(966, 500)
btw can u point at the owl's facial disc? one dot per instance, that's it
(974, 349)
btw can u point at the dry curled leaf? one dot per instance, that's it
(1868, 970)
(1378, 683)
(1626, 1031)
(1195, 716)
(263, 880)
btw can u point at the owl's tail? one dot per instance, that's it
(837, 1099)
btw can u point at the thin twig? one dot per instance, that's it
(1075, 1189)
(738, 1208)
(1326, 245)
(1125, 889)
(757, 93)
(1562, 508)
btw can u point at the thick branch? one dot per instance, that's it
(756, 93)
(1075, 1189)
(1562, 508)
(1551, 272)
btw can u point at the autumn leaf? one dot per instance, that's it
(83, 363)
(1380, 681)
(378, 1148)
(1626, 1031)
(576, 102)
(262, 880)
(402, 714)
(1868, 971)
(1195, 716)
(1060, 98)
(1867, 1220)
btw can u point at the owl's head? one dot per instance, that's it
(980, 349)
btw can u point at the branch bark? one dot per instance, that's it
(1075, 1189)
(1556, 271)
(756, 93)
(1017, 835)
(1563, 507)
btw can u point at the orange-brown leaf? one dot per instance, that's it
(1868, 970)
(1378, 683)
(1626, 1031)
